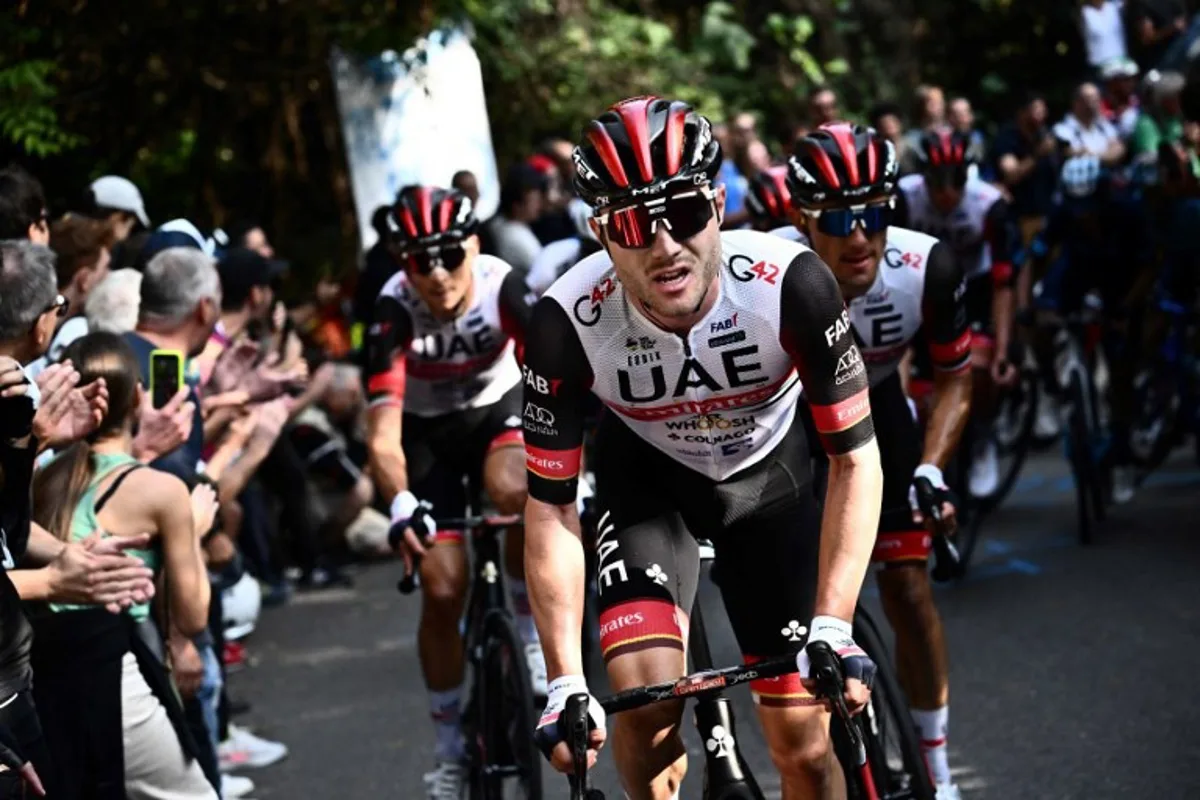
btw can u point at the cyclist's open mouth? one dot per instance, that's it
(672, 280)
(857, 262)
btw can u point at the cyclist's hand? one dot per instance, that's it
(857, 666)
(551, 737)
(949, 521)
(412, 527)
(1004, 372)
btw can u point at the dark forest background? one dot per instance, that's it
(224, 108)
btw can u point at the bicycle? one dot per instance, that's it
(1166, 403)
(499, 715)
(878, 748)
(1087, 443)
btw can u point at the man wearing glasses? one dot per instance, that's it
(699, 343)
(897, 282)
(445, 389)
(972, 217)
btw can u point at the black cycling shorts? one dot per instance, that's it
(764, 525)
(899, 539)
(442, 452)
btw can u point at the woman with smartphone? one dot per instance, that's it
(112, 720)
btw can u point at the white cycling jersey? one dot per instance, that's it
(435, 367)
(717, 399)
(965, 228)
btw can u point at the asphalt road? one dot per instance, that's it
(1071, 666)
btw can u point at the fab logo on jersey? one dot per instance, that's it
(738, 371)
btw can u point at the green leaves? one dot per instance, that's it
(28, 118)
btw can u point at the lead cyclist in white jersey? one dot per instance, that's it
(699, 344)
(973, 218)
(898, 283)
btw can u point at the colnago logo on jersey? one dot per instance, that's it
(716, 399)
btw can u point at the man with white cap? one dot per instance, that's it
(117, 200)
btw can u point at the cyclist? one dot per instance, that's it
(896, 282)
(445, 405)
(699, 343)
(558, 257)
(1104, 242)
(974, 219)
(770, 204)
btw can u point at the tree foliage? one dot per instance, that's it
(225, 108)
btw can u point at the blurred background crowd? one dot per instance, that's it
(225, 230)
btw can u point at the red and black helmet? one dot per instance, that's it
(642, 146)
(945, 155)
(838, 163)
(769, 198)
(426, 215)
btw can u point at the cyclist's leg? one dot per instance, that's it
(435, 475)
(902, 553)
(647, 568)
(503, 480)
(767, 560)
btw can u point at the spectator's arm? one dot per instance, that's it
(1114, 154)
(183, 563)
(43, 546)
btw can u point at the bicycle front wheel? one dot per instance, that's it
(506, 763)
(893, 744)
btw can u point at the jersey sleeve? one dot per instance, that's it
(557, 380)
(1000, 232)
(516, 309)
(944, 311)
(815, 330)
(387, 340)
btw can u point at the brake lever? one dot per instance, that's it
(947, 562)
(574, 720)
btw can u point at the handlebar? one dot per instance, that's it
(481, 524)
(947, 563)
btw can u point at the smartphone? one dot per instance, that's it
(166, 375)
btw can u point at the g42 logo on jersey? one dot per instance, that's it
(745, 270)
(587, 307)
(896, 258)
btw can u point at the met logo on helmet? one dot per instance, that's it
(799, 172)
(582, 168)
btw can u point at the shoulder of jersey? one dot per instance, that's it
(581, 278)
(911, 182)
(760, 246)
(491, 266)
(396, 287)
(791, 233)
(910, 241)
(984, 191)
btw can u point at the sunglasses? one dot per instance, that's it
(684, 214)
(841, 222)
(447, 256)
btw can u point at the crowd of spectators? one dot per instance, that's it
(127, 591)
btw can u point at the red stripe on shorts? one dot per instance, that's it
(641, 624)
(896, 546)
(786, 690)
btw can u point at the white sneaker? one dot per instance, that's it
(1123, 479)
(984, 476)
(235, 786)
(1047, 425)
(947, 791)
(244, 750)
(446, 782)
(536, 661)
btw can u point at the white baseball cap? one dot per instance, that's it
(112, 191)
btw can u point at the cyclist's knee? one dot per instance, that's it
(443, 582)
(907, 586)
(651, 726)
(802, 750)
(504, 479)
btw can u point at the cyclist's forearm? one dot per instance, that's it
(555, 574)
(848, 529)
(952, 391)
(1002, 318)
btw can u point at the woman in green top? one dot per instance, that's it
(95, 699)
